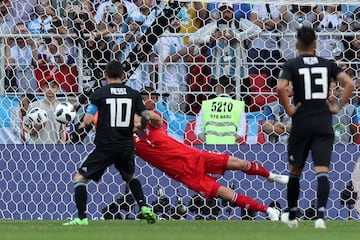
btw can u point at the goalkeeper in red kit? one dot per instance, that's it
(191, 166)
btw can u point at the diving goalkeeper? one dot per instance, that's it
(191, 167)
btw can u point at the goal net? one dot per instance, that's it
(177, 64)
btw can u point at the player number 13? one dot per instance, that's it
(322, 80)
(119, 111)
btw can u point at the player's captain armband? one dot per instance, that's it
(91, 109)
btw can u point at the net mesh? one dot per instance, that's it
(71, 42)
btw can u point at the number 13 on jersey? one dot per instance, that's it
(322, 80)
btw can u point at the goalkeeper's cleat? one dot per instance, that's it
(148, 214)
(77, 221)
(282, 179)
(320, 223)
(273, 214)
(290, 223)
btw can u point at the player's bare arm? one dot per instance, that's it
(284, 97)
(87, 121)
(155, 120)
(348, 85)
(152, 118)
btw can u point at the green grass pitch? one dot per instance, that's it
(182, 230)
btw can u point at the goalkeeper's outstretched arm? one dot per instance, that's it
(152, 118)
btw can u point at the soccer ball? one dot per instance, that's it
(65, 112)
(37, 116)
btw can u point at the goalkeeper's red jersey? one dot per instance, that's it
(156, 147)
(181, 162)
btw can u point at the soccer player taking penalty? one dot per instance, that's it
(116, 105)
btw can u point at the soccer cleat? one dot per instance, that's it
(273, 214)
(77, 221)
(283, 179)
(291, 223)
(320, 223)
(148, 214)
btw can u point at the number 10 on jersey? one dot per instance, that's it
(120, 111)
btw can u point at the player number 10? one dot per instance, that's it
(119, 111)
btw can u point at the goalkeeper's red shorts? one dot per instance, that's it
(197, 177)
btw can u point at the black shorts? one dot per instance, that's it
(319, 141)
(95, 164)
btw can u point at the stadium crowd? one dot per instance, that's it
(73, 40)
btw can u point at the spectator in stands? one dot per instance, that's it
(53, 131)
(46, 20)
(265, 49)
(277, 124)
(144, 15)
(293, 17)
(60, 5)
(226, 40)
(197, 18)
(76, 11)
(242, 10)
(332, 22)
(148, 9)
(96, 53)
(57, 56)
(345, 122)
(199, 81)
(114, 16)
(53, 52)
(349, 10)
(173, 53)
(22, 10)
(124, 46)
(132, 36)
(7, 22)
(354, 20)
(21, 60)
(25, 101)
(200, 78)
(107, 8)
(221, 120)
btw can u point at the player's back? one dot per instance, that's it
(117, 105)
(310, 76)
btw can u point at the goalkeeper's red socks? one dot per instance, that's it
(256, 169)
(246, 202)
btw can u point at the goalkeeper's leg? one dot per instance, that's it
(252, 168)
(247, 202)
